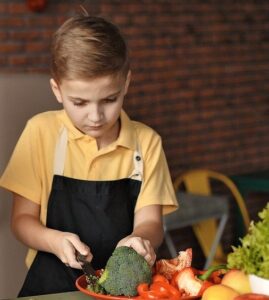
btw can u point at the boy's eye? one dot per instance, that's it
(110, 100)
(79, 103)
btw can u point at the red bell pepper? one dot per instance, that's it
(168, 267)
(159, 278)
(192, 283)
(188, 282)
(214, 273)
(157, 290)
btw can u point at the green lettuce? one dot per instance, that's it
(252, 256)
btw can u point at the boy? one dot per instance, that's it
(86, 179)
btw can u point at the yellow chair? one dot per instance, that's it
(199, 182)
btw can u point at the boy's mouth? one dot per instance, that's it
(93, 127)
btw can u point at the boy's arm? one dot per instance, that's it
(27, 227)
(148, 224)
(148, 232)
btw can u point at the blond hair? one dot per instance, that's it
(88, 47)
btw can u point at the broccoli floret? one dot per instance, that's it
(94, 286)
(124, 271)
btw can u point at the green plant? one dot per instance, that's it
(252, 256)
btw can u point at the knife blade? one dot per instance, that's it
(85, 265)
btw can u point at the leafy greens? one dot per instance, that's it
(252, 256)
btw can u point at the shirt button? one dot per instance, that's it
(138, 158)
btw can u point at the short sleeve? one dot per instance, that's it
(157, 187)
(21, 175)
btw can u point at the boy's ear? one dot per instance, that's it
(56, 90)
(127, 82)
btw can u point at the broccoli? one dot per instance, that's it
(93, 285)
(124, 271)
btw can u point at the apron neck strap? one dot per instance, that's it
(137, 173)
(60, 151)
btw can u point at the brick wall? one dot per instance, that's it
(200, 72)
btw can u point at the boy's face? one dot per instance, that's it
(94, 105)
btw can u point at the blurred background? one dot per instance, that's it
(200, 72)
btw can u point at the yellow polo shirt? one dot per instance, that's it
(29, 172)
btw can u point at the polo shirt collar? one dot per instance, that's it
(73, 132)
(127, 137)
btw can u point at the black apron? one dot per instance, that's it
(101, 213)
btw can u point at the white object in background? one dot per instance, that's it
(259, 285)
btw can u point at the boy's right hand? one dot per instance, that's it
(66, 245)
(26, 225)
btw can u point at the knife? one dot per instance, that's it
(85, 265)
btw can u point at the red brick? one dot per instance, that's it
(36, 47)
(8, 48)
(12, 22)
(17, 8)
(3, 8)
(18, 60)
(3, 35)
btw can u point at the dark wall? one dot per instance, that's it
(200, 71)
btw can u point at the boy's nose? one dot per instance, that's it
(95, 114)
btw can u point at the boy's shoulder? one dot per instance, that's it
(142, 131)
(51, 116)
(145, 129)
(48, 118)
(129, 122)
(147, 136)
(46, 123)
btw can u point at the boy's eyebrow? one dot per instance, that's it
(87, 100)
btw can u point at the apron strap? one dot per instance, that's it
(60, 151)
(137, 173)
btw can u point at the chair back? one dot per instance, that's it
(198, 181)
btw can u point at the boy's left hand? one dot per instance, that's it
(141, 246)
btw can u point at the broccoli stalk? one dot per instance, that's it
(124, 271)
